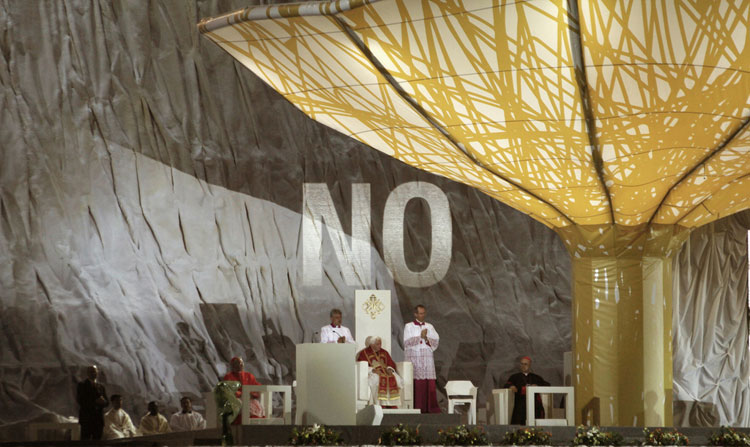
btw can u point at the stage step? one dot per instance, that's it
(207, 441)
(421, 419)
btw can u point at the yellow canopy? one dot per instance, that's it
(620, 113)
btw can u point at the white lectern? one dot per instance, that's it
(326, 391)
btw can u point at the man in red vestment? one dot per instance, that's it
(384, 382)
(238, 374)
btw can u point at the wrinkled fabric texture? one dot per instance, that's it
(695, 414)
(710, 312)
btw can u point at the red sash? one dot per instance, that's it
(379, 362)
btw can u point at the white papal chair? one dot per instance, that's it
(462, 392)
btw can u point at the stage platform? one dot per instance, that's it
(278, 435)
(368, 435)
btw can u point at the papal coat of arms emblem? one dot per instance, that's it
(373, 306)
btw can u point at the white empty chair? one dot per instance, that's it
(462, 392)
(531, 391)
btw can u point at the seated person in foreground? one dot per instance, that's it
(187, 419)
(153, 423)
(335, 332)
(117, 423)
(238, 374)
(518, 383)
(385, 383)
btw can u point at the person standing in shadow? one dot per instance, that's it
(92, 399)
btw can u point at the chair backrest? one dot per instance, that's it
(460, 388)
(372, 316)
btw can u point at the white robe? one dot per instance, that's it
(187, 421)
(117, 424)
(329, 334)
(418, 352)
(154, 425)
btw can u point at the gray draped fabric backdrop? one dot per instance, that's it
(150, 200)
(710, 318)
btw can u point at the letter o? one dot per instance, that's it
(393, 234)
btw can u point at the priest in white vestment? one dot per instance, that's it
(420, 340)
(117, 423)
(187, 419)
(153, 423)
(335, 332)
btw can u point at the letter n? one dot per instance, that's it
(352, 253)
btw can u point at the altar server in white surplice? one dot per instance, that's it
(335, 332)
(187, 419)
(117, 423)
(420, 340)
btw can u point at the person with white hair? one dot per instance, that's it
(385, 383)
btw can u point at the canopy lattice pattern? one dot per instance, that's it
(588, 113)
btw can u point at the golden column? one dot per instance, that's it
(622, 320)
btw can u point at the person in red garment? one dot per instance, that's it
(384, 382)
(238, 374)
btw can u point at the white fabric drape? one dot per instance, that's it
(710, 314)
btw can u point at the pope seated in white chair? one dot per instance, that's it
(385, 383)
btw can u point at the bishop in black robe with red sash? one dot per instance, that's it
(520, 381)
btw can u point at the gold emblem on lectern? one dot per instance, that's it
(373, 306)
